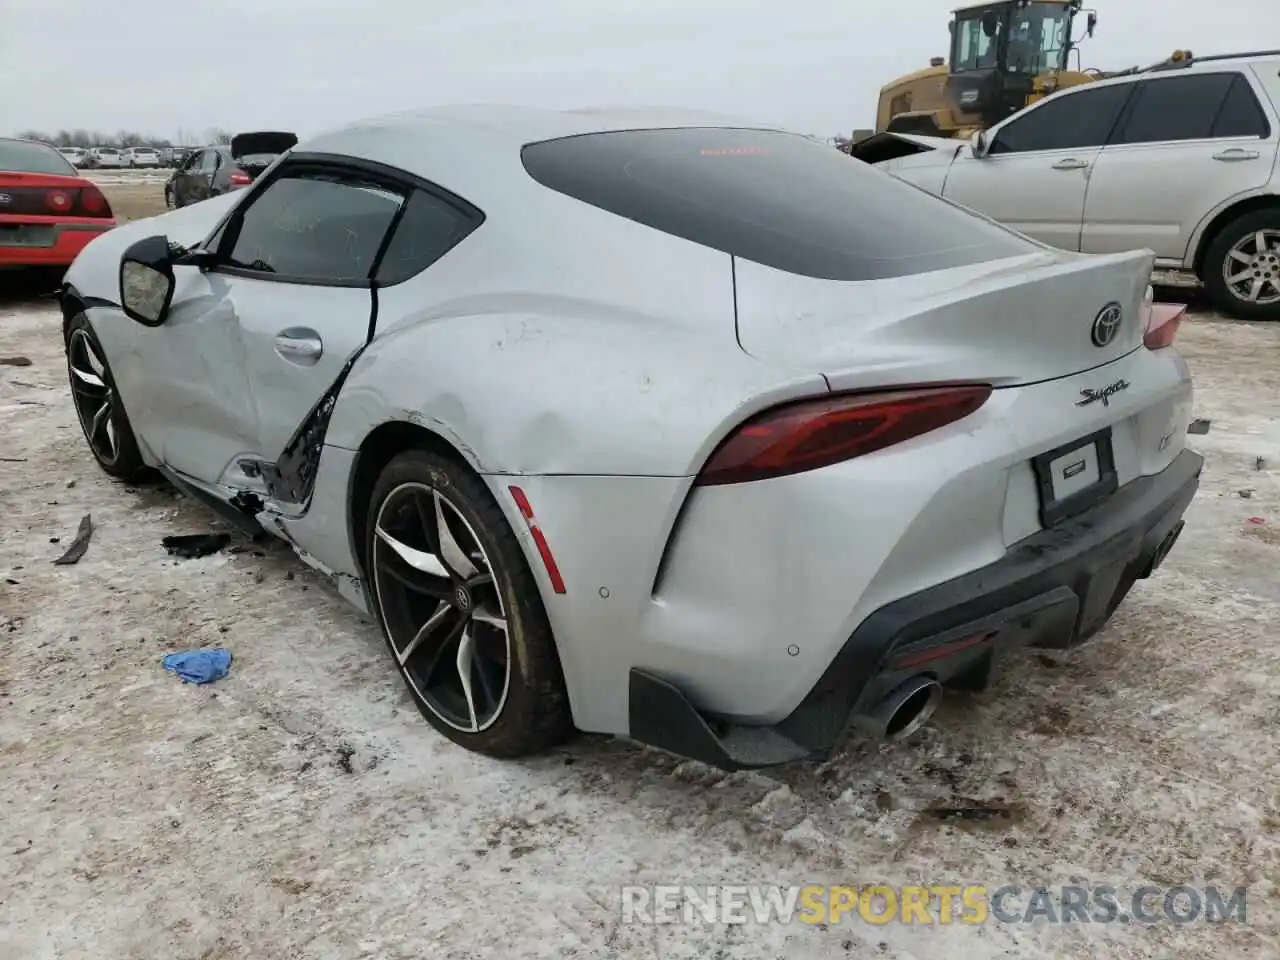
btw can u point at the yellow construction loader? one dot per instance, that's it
(1004, 56)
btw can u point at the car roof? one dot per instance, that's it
(469, 148)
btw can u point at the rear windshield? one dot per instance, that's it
(23, 156)
(774, 198)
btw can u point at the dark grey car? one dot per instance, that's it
(212, 171)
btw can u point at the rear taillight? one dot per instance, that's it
(60, 201)
(1162, 325)
(240, 179)
(93, 203)
(810, 434)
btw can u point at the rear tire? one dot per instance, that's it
(1241, 273)
(461, 611)
(98, 406)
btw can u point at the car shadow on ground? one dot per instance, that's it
(21, 288)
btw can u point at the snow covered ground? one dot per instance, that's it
(300, 808)
(112, 177)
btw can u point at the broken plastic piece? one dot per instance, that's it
(191, 546)
(79, 545)
(199, 666)
(1199, 426)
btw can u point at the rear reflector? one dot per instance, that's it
(1163, 325)
(810, 434)
(539, 539)
(929, 654)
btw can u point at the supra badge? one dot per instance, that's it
(1105, 394)
(1106, 324)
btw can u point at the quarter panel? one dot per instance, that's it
(534, 353)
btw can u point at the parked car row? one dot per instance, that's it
(114, 158)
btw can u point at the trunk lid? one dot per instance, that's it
(1021, 320)
(890, 146)
(268, 142)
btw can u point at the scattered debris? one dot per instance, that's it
(342, 761)
(1259, 464)
(973, 811)
(199, 666)
(79, 545)
(1199, 426)
(192, 546)
(13, 459)
(1246, 494)
(1257, 519)
(15, 361)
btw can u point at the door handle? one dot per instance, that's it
(299, 346)
(1236, 153)
(1071, 164)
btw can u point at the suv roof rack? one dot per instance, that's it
(1184, 64)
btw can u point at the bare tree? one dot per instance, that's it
(217, 135)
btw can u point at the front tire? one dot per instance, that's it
(98, 407)
(1241, 270)
(460, 609)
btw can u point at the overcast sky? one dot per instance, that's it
(160, 66)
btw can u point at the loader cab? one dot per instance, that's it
(999, 49)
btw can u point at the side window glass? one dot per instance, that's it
(1241, 114)
(1175, 108)
(430, 228)
(209, 161)
(1081, 118)
(314, 227)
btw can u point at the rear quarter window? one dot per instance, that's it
(774, 198)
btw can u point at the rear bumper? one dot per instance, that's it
(68, 239)
(1053, 589)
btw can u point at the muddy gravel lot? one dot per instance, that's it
(300, 808)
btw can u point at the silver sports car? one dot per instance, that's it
(657, 425)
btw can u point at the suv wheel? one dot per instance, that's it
(1241, 269)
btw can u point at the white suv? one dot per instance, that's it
(1180, 158)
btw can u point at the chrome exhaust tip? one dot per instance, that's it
(904, 711)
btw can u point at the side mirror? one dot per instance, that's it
(979, 144)
(146, 281)
(1091, 24)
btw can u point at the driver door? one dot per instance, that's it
(1035, 175)
(272, 323)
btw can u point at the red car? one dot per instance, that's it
(48, 212)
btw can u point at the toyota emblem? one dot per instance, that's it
(1107, 324)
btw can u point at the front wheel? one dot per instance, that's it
(460, 609)
(101, 414)
(1241, 270)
